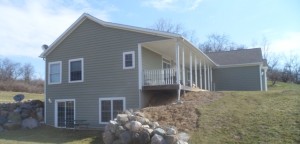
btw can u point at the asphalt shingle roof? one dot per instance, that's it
(242, 56)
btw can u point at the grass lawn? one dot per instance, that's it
(46, 134)
(252, 117)
(8, 96)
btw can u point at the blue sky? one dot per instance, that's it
(27, 24)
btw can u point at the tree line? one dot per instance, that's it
(280, 68)
(19, 77)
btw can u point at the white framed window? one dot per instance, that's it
(54, 72)
(76, 70)
(109, 108)
(128, 60)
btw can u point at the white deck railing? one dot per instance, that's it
(159, 77)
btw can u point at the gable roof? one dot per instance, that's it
(85, 16)
(237, 57)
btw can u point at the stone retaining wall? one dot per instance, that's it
(26, 114)
(133, 128)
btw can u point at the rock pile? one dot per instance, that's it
(133, 128)
(27, 114)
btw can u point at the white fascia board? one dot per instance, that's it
(106, 24)
(240, 65)
(132, 28)
(64, 35)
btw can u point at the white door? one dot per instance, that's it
(64, 113)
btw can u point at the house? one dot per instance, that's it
(96, 69)
(243, 69)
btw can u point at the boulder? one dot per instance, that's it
(25, 106)
(153, 124)
(119, 130)
(117, 141)
(171, 131)
(181, 142)
(4, 113)
(14, 117)
(108, 137)
(17, 110)
(12, 125)
(125, 137)
(3, 120)
(40, 114)
(112, 126)
(159, 131)
(122, 118)
(1, 129)
(132, 118)
(140, 114)
(135, 126)
(30, 123)
(135, 138)
(36, 103)
(150, 131)
(157, 139)
(127, 125)
(171, 139)
(183, 137)
(25, 113)
(144, 137)
(142, 120)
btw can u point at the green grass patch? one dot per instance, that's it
(252, 117)
(50, 135)
(6, 96)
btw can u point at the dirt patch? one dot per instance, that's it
(183, 116)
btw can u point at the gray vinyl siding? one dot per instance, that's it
(237, 78)
(151, 60)
(102, 50)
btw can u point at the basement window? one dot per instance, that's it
(109, 108)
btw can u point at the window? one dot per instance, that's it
(76, 70)
(54, 72)
(128, 60)
(109, 108)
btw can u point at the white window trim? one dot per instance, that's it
(133, 60)
(111, 99)
(49, 69)
(82, 70)
(55, 110)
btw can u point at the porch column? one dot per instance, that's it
(266, 79)
(200, 68)
(205, 77)
(191, 69)
(208, 77)
(196, 81)
(183, 67)
(177, 64)
(177, 70)
(211, 84)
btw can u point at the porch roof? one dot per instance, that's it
(167, 49)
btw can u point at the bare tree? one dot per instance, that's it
(168, 26)
(265, 46)
(27, 72)
(219, 42)
(9, 70)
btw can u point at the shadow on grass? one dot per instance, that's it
(47, 134)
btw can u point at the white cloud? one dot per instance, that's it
(28, 24)
(288, 44)
(175, 5)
